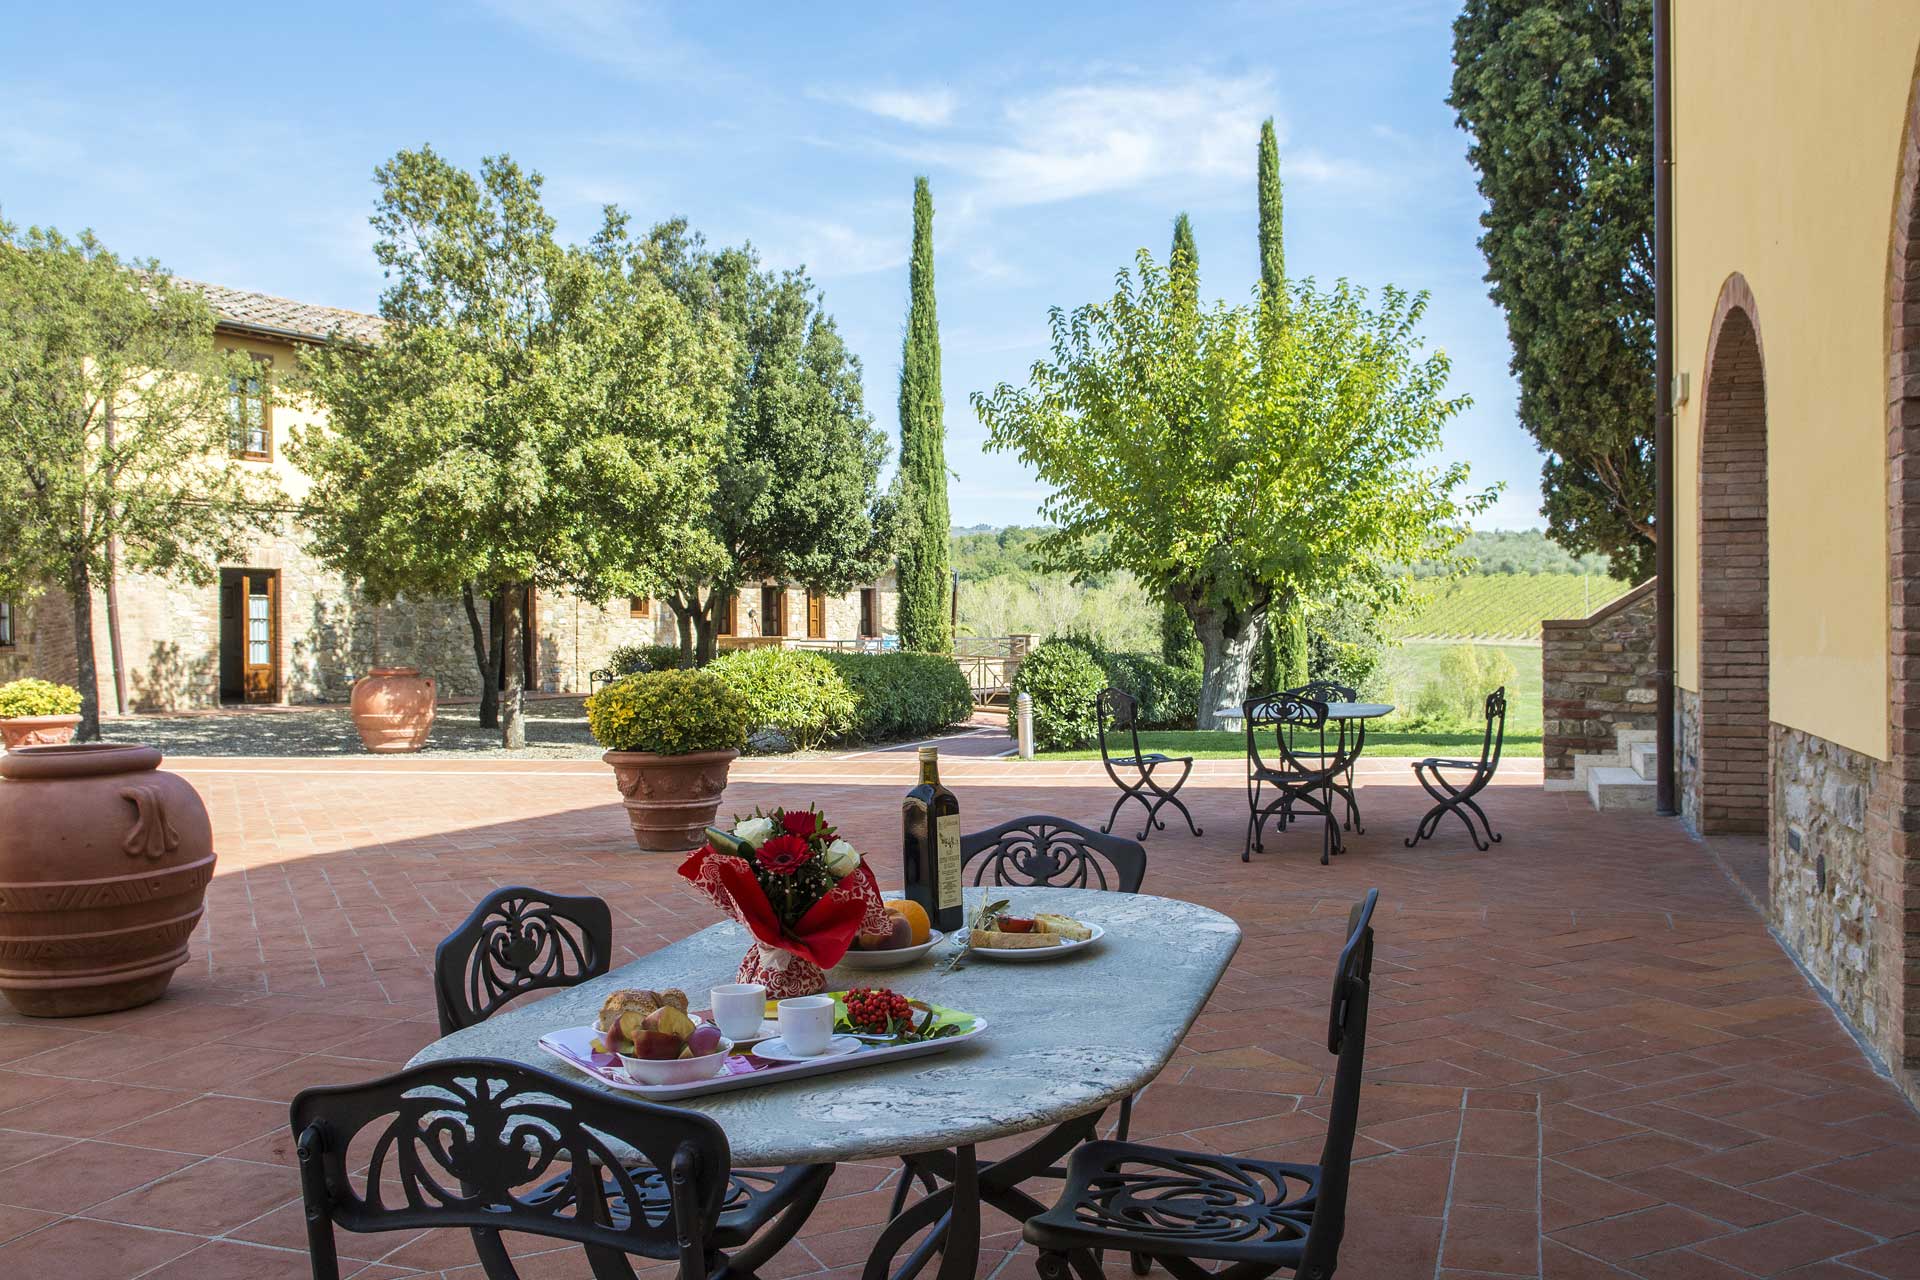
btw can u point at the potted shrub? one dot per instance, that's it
(392, 708)
(670, 736)
(38, 713)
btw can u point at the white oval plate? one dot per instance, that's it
(898, 958)
(775, 1050)
(1030, 955)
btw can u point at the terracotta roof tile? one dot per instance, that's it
(264, 312)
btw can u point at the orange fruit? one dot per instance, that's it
(916, 918)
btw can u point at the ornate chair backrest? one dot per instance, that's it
(1496, 730)
(518, 940)
(1286, 715)
(1347, 1038)
(1055, 853)
(1121, 710)
(1326, 691)
(468, 1142)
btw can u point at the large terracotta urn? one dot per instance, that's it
(37, 731)
(393, 708)
(670, 800)
(104, 865)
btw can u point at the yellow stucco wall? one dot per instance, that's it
(1787, 131)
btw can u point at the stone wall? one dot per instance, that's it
(1819, 868)
(1686, 755)
(330, 635)
(1597, 677)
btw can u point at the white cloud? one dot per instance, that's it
(1092, 139)
(830, 249)
(926, 109)
(631, 36)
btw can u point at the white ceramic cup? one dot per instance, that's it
(738, 1009)
(806, 1024)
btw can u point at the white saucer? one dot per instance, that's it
(768, 1030)
(775, 1050)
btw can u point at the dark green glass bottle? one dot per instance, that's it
(930, 846)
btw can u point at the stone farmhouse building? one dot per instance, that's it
(279, 627)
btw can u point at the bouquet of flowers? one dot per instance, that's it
(797, 887)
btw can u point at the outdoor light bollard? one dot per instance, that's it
(1023, 718)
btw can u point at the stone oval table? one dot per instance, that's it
(1065, 1039)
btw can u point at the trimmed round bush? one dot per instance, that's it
(796, 691)
(903, 695)
(669, 713)
(1169, 696)
(630, 659)
(1064, 681)
(32, 697)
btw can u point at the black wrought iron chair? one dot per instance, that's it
(1184, 1208)
(1120, 709)
(496, 1146)
(1053, 853)
(1329, 691)
(1457, 797)
(1043, 852)
(1299, 780)
(518, 940)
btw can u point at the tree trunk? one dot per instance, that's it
(80, 587)
(706, 645)
(489, 687)
(683, 619)
(513, 724)
(1226, 647)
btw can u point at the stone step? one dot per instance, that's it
(1587, 761)
(1643, 759)
(1624, 737)
(1619, 789)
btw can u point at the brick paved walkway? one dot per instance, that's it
(1588, 1057)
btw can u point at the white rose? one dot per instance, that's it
(754, 831)
(841, 859)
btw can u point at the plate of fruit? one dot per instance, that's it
(910, 937)
(657, 1040)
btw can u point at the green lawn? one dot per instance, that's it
(1218, 744)
(1402, 671)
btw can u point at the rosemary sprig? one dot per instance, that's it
(984, 918)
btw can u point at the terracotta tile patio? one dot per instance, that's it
(1588, 1057)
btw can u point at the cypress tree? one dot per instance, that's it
(1286, 639)
(925, 623)
(1178, 645)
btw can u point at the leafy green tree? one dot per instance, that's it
(1273, 246)
(1558, 98)
(796, 495)
(1282, 661)
(1225, 460)
(925, 613)
(114, 432)
(532, 415)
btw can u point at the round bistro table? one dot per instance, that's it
(1064, 1040)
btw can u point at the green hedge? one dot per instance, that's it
(903, 695)
(1064, 677)
(797, 691)
(629, 659)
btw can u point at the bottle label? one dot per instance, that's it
(948, 861)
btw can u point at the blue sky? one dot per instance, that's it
(237, 145)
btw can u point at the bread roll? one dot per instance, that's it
(993, 939)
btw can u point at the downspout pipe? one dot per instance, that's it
(1665, 790)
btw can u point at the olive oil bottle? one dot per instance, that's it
(930, 846)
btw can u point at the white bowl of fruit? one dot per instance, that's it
(658, 1041)
(908, 936)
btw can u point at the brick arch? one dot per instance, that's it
(1894, 816)
(1734, 718)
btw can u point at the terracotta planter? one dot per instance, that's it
(670, 800)
(104, 864)
(393, 708)
(37, 731)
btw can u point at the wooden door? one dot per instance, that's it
(816, 615)
(260, 636)
(773, 611)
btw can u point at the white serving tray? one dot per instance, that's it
(573, 1046)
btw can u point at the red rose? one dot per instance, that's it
(799, 822)
(784, 855)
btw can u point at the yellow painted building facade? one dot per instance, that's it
(1792, 186)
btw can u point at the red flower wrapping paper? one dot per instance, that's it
(788, 959)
